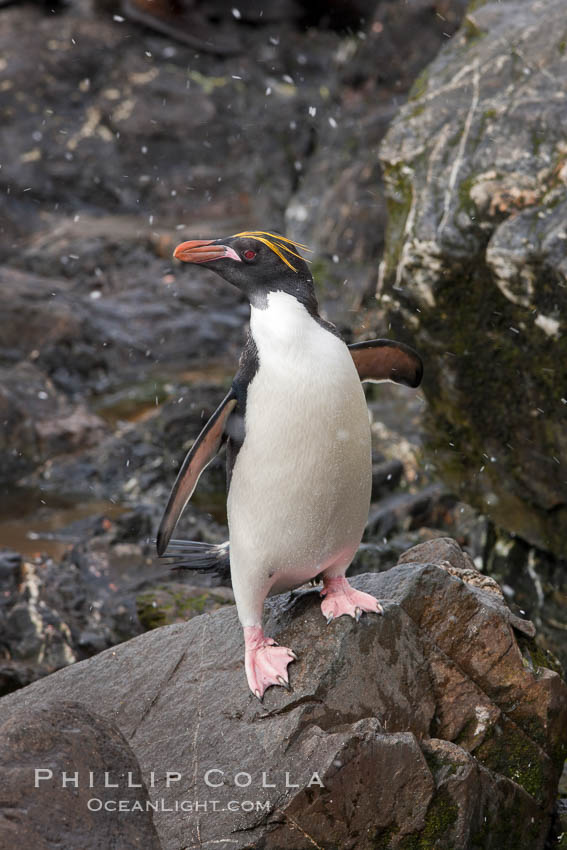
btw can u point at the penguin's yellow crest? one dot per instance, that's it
(276, 244)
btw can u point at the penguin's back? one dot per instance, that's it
(300, 487)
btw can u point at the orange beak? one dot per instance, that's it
(202, 251)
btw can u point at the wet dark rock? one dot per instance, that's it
(68, 738)
(535, 582)
(55, 613)
(195, 24)
(403, 531)
(399, 41)
(14, 675)
(346, 15)
(378, 555)
(386, 476)
(107, 158)
(136, 464)
(474, 267)
(339, 208)
(113, 341)
(35, 316)
(405, 511)
(10, 563)
(135, 526)
(150, 135)
(38, 422)
(454, 738)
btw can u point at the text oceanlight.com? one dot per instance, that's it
(95, 804)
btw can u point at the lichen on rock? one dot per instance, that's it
(475, 264)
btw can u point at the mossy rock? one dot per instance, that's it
(176, 602)
(473, 272)
(508, 751)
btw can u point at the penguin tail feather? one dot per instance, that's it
(212, 558)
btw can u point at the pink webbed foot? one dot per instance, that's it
(265, 661)
(341, 598)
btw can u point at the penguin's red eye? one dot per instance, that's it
(250, 254)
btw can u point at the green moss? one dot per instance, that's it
(466, 203)
(320, 271)
(150, 614)
(207, 84)
(409, 842)
(511, 753)
(438, 763)
(399, 200)
(562, 46)
(420, 85)
(417, 110)
(441, 815)
(165, 604)
(505, 829)
(481, 837)
(192, 604)
(537, 657)
(484, 403)
(130, 402)
(471, 31)
(382, 838)
(436, 833)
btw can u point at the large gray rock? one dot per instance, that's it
(432, 723)
(46, 757)
(475, 267)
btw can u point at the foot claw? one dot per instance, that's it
(266, 663)
(340, 598)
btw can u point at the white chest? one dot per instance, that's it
(295, 351)
(302, 477)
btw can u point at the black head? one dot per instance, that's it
(257, 263)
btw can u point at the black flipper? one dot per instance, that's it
(200, 455)
(386, 360)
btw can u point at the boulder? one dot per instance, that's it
(475, 265)
(428, 726)
(46, 756)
